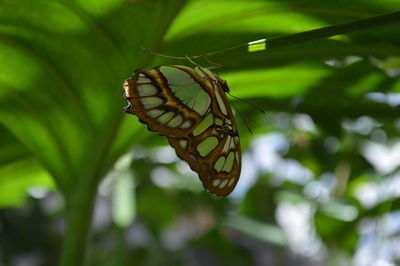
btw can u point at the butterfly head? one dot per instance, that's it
(224, 85)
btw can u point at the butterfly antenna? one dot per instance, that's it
(214, 65)
(172, 57)
(249, 103)
(161, 55)
(190, 60)
(240, 114)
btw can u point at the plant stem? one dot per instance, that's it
(80, 204)
(330, 31)
(280, 41)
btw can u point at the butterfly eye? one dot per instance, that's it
(190, 108)
(224, 85)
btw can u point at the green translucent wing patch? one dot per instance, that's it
(186, 89)
(205, 123)
(151, 102)
(166, 117)
(176, 121)
(155, 113)
(207, 146)
(146, 90)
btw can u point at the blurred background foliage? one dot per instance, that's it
(320, 182)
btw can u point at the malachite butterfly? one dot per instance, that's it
(189, 107)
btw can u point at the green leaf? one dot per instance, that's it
(26, 174)
(124, 206)
(262, 231)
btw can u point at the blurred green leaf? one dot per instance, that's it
(262, 231)
(124, 205)
(25, 174)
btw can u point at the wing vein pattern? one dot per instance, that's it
(189, 107)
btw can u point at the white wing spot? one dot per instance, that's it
(183, 143)
(143, 79)
(176, 121)
(165, 117)
(186, 124)
(216, 182)
(153, 71)
(223, 183)
(154, 113)
(231, 181)
(227, 144)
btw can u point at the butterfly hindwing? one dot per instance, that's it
(190, 108)
(214, 156)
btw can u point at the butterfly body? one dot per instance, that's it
(190, 108)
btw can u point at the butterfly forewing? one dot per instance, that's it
(190, 108)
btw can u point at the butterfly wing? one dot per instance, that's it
(190, 108)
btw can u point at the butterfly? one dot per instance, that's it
(189, 107)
